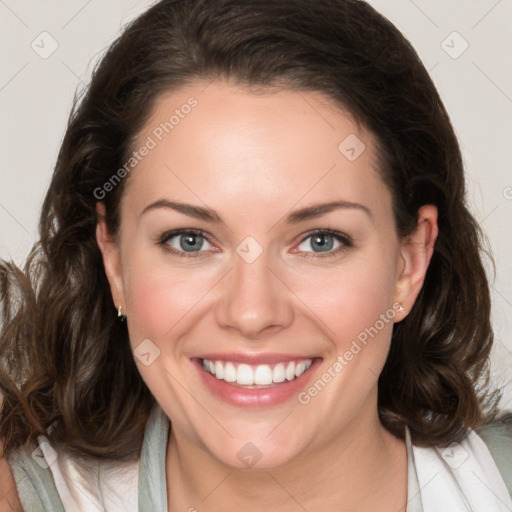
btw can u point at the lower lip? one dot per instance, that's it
(251, 397)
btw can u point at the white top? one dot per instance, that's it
(87, 486)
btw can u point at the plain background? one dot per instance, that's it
(465, 45)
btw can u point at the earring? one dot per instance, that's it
(401, 309)
(120, 316)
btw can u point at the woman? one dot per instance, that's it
(258, 285)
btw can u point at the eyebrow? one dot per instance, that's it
(209, 215)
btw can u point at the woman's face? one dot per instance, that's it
(285, 283)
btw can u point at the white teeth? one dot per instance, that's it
(244, 375)
(290, 371)
(278, 375)
(263, 375)
(230, 372)
(260, 375)
(219, 370)
(299, 369)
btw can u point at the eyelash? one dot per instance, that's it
(345, 240)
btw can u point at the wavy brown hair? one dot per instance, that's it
(66, 361)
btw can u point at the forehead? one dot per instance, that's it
(227, 146)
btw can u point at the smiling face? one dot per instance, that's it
(260, 287)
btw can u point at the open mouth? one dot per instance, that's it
(256, 376)
(255, 380)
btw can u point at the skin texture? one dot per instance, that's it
(254, 158)
(9, 500)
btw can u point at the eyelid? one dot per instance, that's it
(165, 237)
(345, 240)
(333, 232)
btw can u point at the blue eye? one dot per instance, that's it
(188, 243)
(323, 241)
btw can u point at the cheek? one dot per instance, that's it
(354, 303)
(352, 293)
(157, 303)
(159, 295)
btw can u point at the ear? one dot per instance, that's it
(111, 257)
(416, 251)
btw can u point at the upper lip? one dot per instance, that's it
(255, 359)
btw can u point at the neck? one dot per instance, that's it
(363, 468)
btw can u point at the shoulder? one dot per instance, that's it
(497, 435)
(55, 479)
(34, 483)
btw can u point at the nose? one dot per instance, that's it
(255, 300)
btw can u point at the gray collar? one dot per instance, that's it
(152, 480)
